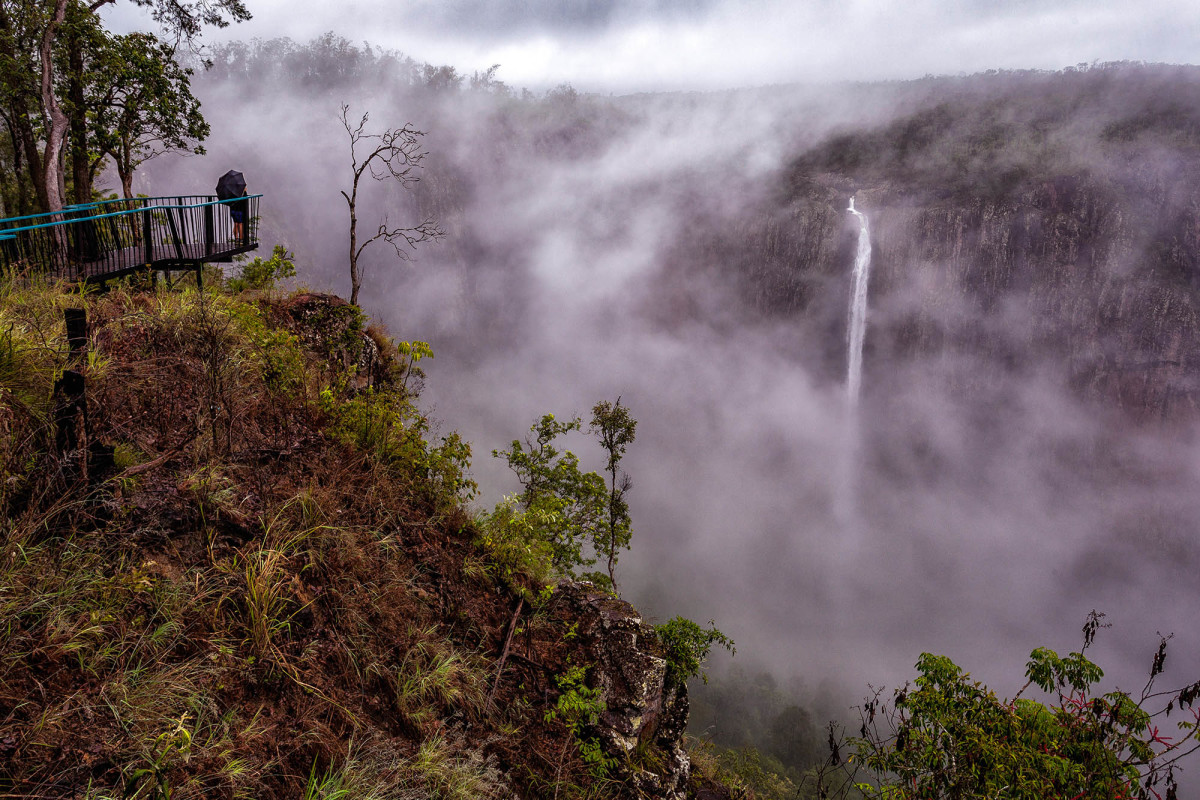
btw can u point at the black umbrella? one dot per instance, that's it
(231, 185)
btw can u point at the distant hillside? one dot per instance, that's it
(1065, 199)
(1069, 195)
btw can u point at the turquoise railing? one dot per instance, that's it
(108, 238)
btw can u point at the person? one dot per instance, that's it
(238, 211)
(230, 186)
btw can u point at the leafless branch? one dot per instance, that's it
(396, 152)
(400, 238)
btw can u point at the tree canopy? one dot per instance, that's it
(947, 736)
(568, 514)
(142, 105)
(73, 95)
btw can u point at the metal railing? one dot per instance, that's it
(109, 238)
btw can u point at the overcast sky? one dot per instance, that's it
(638, 45)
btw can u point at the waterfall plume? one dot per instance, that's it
(857, 331)
(845, 498)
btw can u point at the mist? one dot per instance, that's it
(651, 247)
(625, 46)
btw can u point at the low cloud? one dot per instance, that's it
(625, 46)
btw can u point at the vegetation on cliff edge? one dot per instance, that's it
(248, 571)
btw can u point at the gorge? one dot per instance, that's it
(1028, 447)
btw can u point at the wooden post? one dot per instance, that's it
(70, 396)
(176, 239)
(76, 319)
(208, 230)
(146, 236)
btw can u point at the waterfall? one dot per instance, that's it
(846, 491)
(858, 307)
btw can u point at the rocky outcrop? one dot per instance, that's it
(644, 719)
(333, 327)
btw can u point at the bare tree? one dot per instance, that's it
(394, 154)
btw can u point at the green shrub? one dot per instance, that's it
(260, 274)
(761, 774)
(516, 542)
(951, 737)
(579, 707)
(688, 646)
(561, 505)
(384, 423)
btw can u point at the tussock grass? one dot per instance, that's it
(437, 771)
(435, 678)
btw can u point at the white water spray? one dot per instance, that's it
(858, 307)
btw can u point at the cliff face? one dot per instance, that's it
(643, 713)
(1097, 278)
(1036, 220)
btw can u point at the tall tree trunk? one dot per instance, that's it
(23, 180)
(124, 162)
(81, 175)
(33, 159)
(19, 98)
(126, 183)
(56, 120)
(62, 165)
(355, 276)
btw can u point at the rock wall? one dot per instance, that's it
(644, 721)
(1097, 277)
(1095, 274)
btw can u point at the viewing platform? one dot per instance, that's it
(95, 242)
